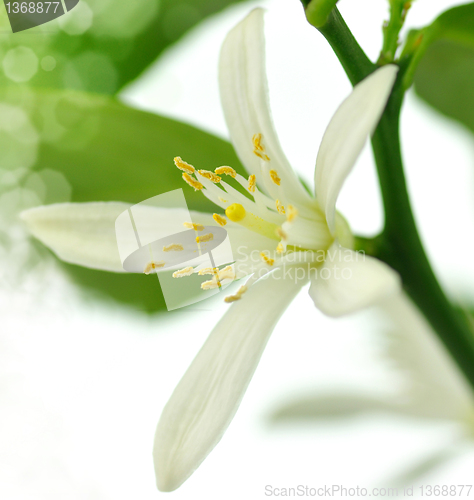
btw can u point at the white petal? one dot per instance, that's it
(345, 136)
(349, 281)
(244, 97)
(434, 386)
(207, 397)
(80, 233)
(85, 234)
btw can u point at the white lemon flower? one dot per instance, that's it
(277, 218)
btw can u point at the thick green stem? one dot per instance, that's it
(399, 245)
(353, 59)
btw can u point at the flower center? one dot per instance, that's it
(237, 213)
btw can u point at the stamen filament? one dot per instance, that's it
(237, 213)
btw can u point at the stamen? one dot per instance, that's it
(192, 182)
(259, 148)
(182, 165)
(237, 296)
(237, 213)
(210, 175)
(209, 285)
(153, 265)
(174, 247)
(204, 238)
(267, 259)
(262, 156)
(191, 225)
(226, 170)
(280, 208)
(187, 271)
(208, 270)
(275, 178)
(281, 234)
(252, 183)
(221, 199)
(280, 248)
(292, 213)
(226, 273)
(219, 219)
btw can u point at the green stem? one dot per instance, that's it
(353, 59)
(399, 245)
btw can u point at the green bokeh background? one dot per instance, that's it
(65, 137)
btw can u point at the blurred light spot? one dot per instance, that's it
(20, 64)
(48, 63)
(35, 184)
(58, 189)
(77, 119)
(9, 178)
(78, 20)
(183, 15)
(122, 18)
(18, 138)
(16, 200)
(91, 71)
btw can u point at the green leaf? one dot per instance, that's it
(99, 46)
(443, 63)
(110, 152)
(445, 80)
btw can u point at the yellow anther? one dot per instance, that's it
(191, 225)
(210, 175)
(174, 247)
(192, 182)
(259, 148)
(187, 271)
(280, 248)
(182, 165)
(204, 238)
(267, 259)
(221, 199)
(257, 142)
(252, 183)
(219, 219)
(226, 170)
(281, 234)
(237, 296)
(235, 212)
(222, 274)
(208, 270)
(261, 155)
(292, 213)
(275, 178)
(226, 273)
(209, 285)
(153, 265)
(280, 208)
